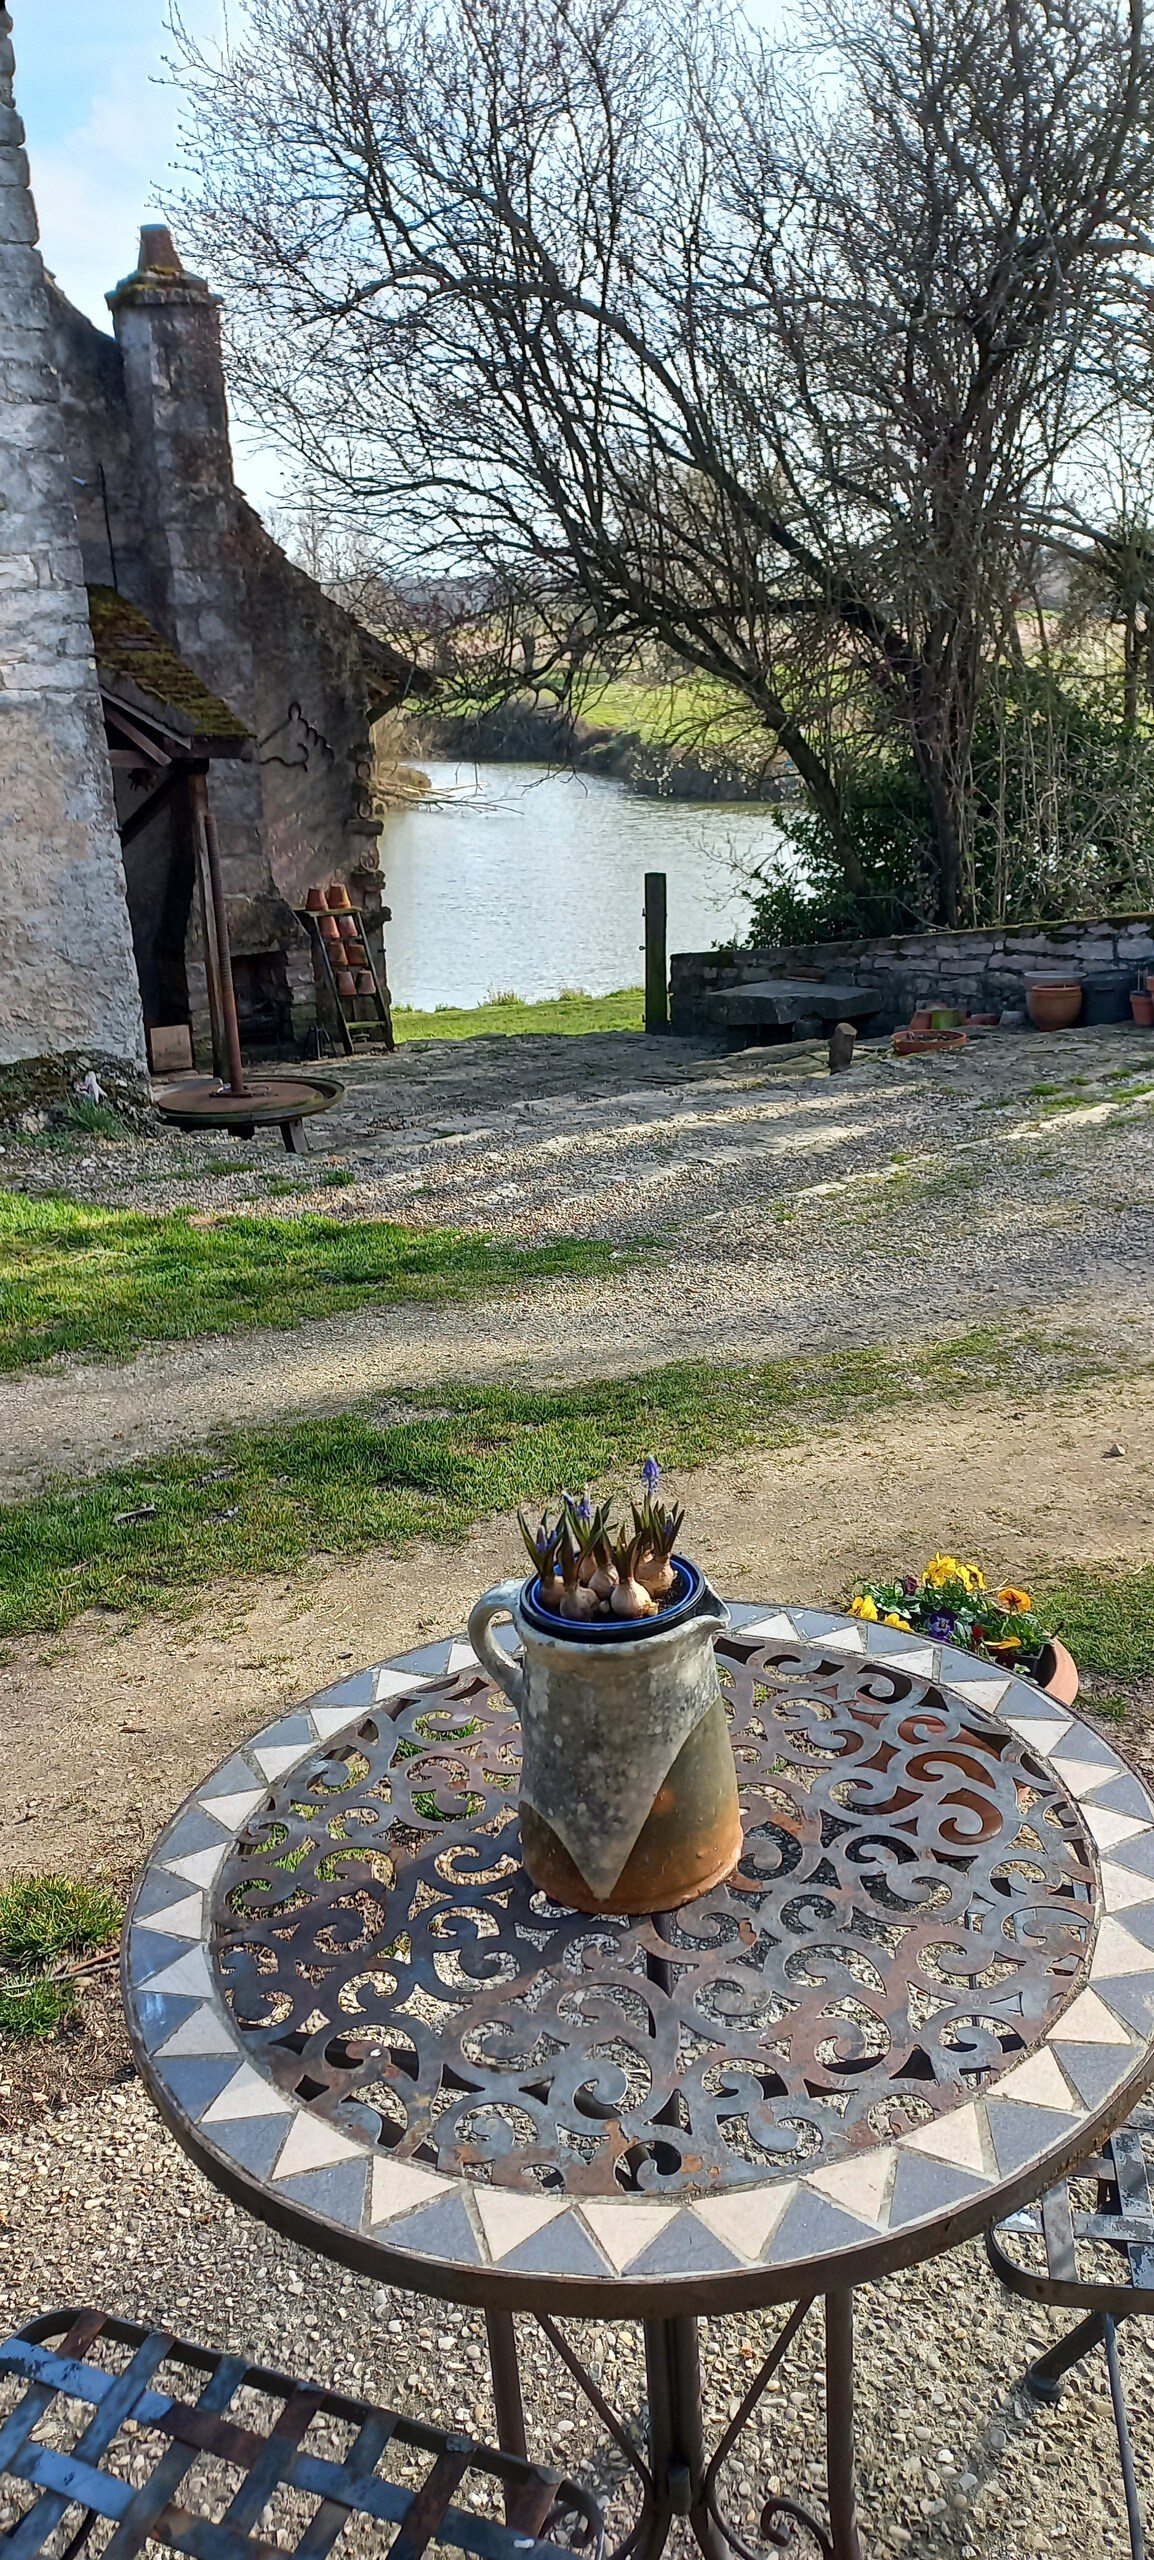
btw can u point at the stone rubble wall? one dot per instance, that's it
(67, 975)
(984, 970)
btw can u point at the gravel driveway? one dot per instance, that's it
(784, 1209)
(100, 2206)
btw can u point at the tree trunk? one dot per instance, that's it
(1131, 649)
(946, 831)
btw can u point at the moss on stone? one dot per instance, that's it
(128, 645)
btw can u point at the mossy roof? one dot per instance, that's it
(129, 647)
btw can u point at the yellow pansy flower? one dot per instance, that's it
(943, 1569)
(1016, 1601)
(894, 1618)
(863, 1608)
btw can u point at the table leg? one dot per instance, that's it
(839, 2451)
(676, 2439)
(506, 2373)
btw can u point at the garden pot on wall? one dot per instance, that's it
(1053, 1003)
(1142, 1008)
(628, 1787)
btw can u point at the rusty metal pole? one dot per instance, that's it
(211, 844)
(839, 2452)
(207, 927)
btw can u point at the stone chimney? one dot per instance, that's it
(68, 987)
(167, 326)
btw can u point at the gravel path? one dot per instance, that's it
(785, 1210)
(100, 2206)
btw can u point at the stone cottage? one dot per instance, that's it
(155, 645)
(68, 995)
(173, 555)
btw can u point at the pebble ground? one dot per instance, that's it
(99, 2206)
(776, 1209)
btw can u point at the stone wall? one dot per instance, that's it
(315, 697)
(146, 417)
(67, 980)
(984, 970)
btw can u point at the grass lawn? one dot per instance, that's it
(48, 1926)
(1107, 1619)
(102, 1281)
(153, 1536)
(573, 1011)
(682, 710)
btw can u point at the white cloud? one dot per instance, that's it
(96, 185)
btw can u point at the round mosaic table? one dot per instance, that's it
(925, 1992)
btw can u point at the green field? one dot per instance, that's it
(102, 1281)
(154, 1536)
(678, 712)
(573, 1012)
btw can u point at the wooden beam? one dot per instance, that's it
(160, 794)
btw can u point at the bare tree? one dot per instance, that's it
(776, 359)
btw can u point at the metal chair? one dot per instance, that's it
(1089, 2246)
(135, 2435)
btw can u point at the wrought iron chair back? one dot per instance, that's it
(121, 2435)
(1091, 2254)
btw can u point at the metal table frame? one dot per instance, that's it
(221, 2107)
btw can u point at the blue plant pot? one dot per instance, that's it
(688, 1590)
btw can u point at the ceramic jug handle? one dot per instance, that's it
(498, 1603)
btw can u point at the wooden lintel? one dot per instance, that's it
(161, 792)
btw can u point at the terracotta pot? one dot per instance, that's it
(1150, 982)
(330, 929)
(921, 1021)
(355, 954)
(346, 927)
(919, 1044)
(365, 985)
(981, 1022)
(338, 895)
(1056, 1671)
(1053, 1003)
(1142, 1008)
(315, 902)
(346, 983)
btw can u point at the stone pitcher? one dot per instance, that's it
(628, 1786)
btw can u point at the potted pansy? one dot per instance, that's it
(949, 1602)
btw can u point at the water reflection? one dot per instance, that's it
(516, 878)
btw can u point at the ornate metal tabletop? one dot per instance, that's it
(927, 1989)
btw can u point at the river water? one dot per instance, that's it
(515, 879)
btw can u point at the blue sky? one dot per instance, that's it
(101, 127)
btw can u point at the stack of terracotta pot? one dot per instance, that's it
(1142, 1004)
(339, 928)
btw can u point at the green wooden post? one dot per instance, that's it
(656, 986)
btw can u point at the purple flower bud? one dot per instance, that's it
(650, 1475)
(584, 1510)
